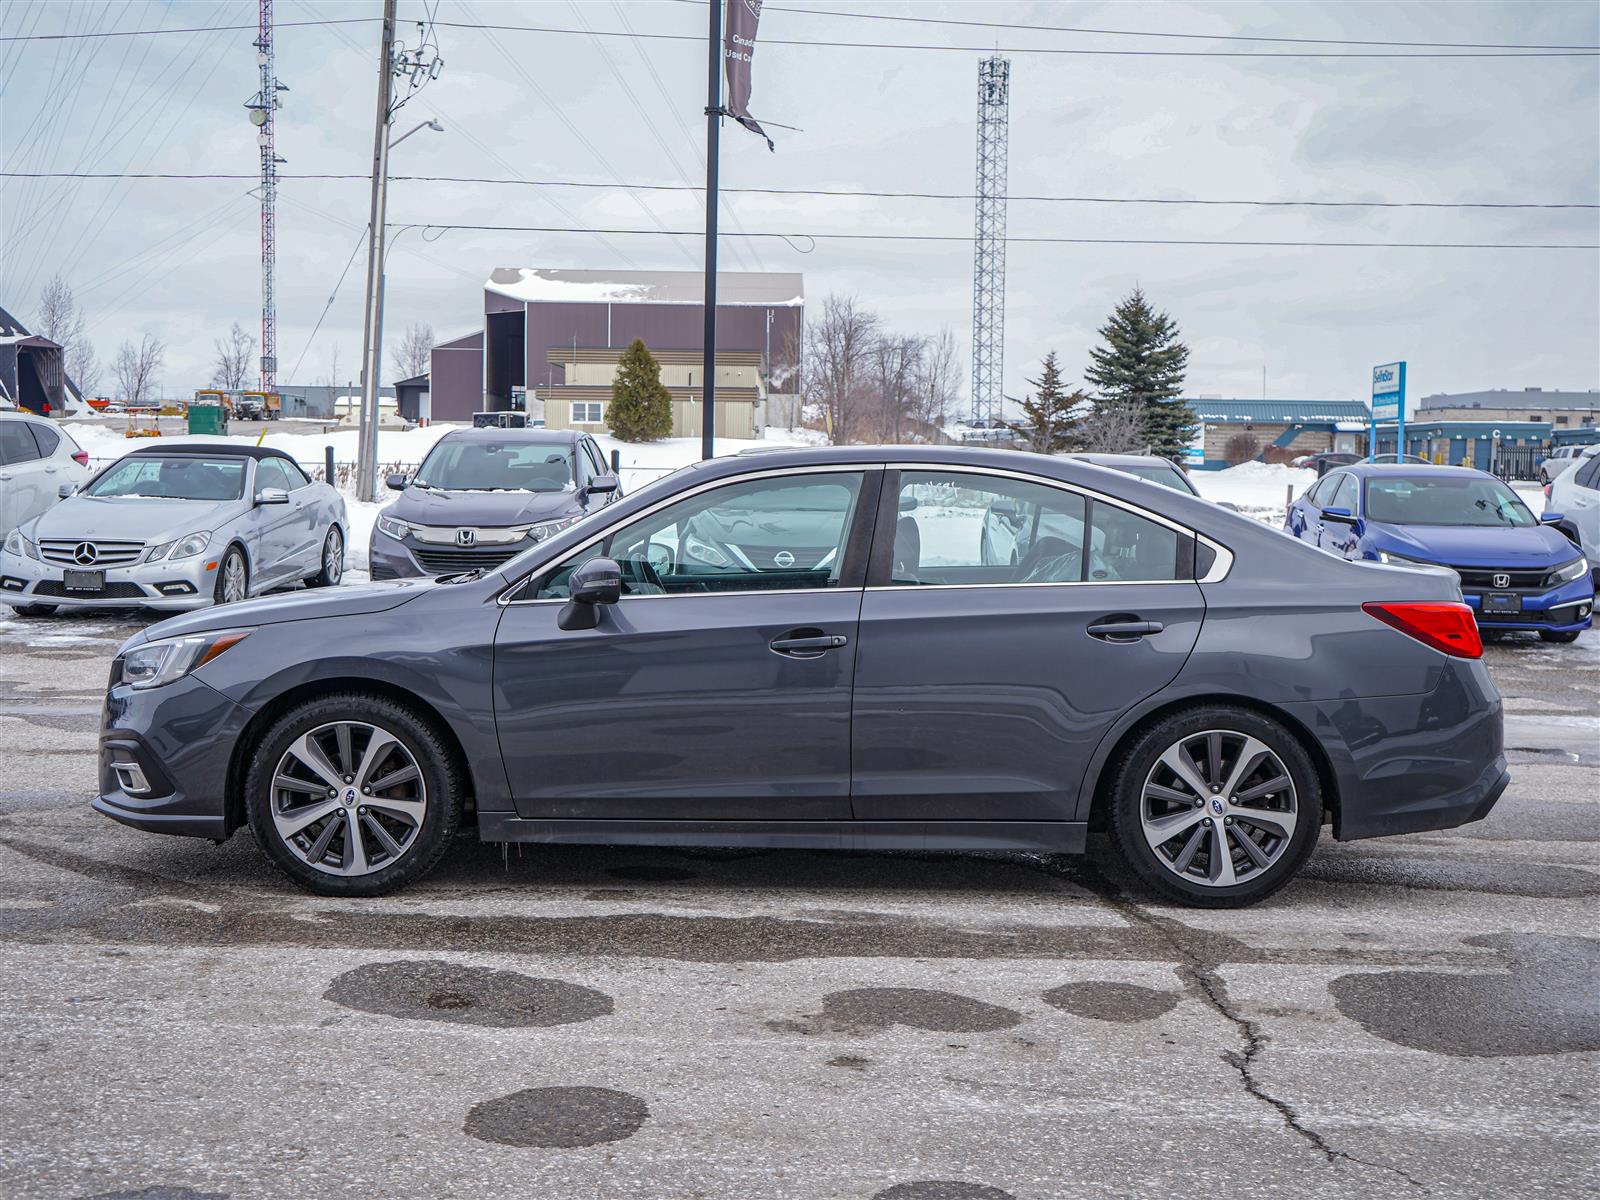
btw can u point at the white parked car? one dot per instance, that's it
(178, 527)
(1574, 497)
(1561, 461)
(36, 458)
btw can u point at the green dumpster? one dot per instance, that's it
(208, 418)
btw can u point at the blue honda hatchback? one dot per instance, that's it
(1515, 572)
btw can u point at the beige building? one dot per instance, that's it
(581, 402)
(1560, 409)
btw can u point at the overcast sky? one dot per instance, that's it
(180, 259)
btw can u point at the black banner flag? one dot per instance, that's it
(738, 49)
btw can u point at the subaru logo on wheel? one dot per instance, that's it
(465, 537)
(84, 553)
(1217, 806)
(1502, 581)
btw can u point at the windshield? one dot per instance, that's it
(177, 478)
(1166, 476)
(478, 466)
(1445, 500)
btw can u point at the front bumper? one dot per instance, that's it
(390, 558)
(1404, 764)
(179, 738)
(1562, 609)
(170, 586)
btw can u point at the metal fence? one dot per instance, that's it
(1518, 462)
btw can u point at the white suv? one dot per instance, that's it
(1559, 462)
(1575, 498)
(36, 458)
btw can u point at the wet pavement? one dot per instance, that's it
(1416, 1016)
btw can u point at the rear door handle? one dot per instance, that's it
(807, 643)
(1123, 631)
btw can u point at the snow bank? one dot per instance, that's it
(1254, 487)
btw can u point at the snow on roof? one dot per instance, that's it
(764, 289)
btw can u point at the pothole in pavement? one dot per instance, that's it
(445, 991)
(1102, 1000)
(558, 1117)
(942, 1189)
(875, 1009)
(1547, 1002)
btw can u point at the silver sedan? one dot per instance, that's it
(177, 528)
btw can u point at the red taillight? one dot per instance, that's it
(1448, 627)
(81, 458)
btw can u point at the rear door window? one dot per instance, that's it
(16, 443)
(48, 439)
(1589, 474)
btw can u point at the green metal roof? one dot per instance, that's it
(1278, 412)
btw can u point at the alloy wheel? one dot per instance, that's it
(348, 798)
(333, 557)
(1218, 808)
(233, 578)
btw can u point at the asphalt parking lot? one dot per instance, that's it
(1418, 1016)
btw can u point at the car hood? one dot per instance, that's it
(1531, 546)
(483, 508)
(124, 519)
(358, 601)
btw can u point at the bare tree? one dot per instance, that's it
(137, 368)
(837, 374)
(938, 382)
(83, 365)
(235, 355)
(415, 351)
(896, 361)
(1113, 427)
(333, 368)
(63, 322)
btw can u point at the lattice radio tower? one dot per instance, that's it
(263, 108)
(989, 242)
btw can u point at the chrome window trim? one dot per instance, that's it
(1220, 566)
(829, 591)
(710, 485)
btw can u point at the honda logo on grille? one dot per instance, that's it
(1502, 581)
(84, 553)
(465, 537)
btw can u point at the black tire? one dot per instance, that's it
(1134, 765)
(232, 557)
(326, 577)
(1562, 638)
(34, 610)
(440, 773)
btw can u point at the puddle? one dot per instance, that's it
(870, 1010)
(558, 1117)
(444, 991)
(1103, 1000)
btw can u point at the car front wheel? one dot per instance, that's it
(353, 795)
(233, 577)
(332, 561)
(1215, 807)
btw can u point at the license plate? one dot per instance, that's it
(84, 581)
(1502, 602)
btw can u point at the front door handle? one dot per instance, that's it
(1130, 630)
(807, 643)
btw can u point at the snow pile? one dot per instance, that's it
(1256, 488)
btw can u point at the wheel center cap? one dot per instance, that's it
(350, 798)
(1217, 806)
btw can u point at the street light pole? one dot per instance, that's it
(372, 333)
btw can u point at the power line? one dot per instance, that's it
(844, 192)
(116, 33)
(1085, 51)
(1143, 33)
(791, 237)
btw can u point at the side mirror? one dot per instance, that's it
(596, 582)
(603, 483)
(1342, 515)
(65, 490)
(396, 482)
(272, 496)
(908, 502)
(1004, 508)
(1545, 518)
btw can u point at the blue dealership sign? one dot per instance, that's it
(1389, 391)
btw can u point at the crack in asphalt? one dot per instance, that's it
(1200, 978)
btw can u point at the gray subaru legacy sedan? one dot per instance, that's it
(811, 649)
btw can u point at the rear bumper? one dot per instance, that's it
(1405, 764)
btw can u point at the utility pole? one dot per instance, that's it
(263, 108)
(708, 370)
(989, 242)
(372, 331)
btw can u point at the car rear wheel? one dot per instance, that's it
(332, 561)
(1215, 807)
(353, 795)
(233, 577)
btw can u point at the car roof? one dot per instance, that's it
(212, 450)
(535, 437)
(1094, 456)
(1366, 470)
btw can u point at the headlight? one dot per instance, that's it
(1389, 556)
(545, 529)
(391, 527)
(187, 546)
(704, 552)
(1567, 572)
(157, 663)
(14, 542)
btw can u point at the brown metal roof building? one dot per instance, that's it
(548, 330)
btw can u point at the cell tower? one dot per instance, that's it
(263, 108)
(989, 242)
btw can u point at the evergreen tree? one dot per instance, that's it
(1141, 368)
(1048, 413)
(641, 407)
